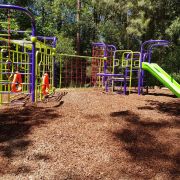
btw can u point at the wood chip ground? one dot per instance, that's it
(92, 135)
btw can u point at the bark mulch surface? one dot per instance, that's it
(92, 135)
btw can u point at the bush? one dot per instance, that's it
(176, 76)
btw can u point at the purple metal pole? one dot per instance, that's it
(110, 48)
(54, 59)
(5, 6)
(99, 44)
(30, 15)
(151, 48)
(141, 73)
(54, 42)
(33, 68)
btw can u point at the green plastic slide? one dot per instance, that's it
(163, 77)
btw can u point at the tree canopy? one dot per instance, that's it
(125, 24)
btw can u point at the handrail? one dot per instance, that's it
(152, 46)
(27, 12)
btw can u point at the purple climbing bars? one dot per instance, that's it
(28, 13)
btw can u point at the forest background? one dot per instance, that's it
(123, 23)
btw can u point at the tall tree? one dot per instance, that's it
(78, 30)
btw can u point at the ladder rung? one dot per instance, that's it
(20, 63)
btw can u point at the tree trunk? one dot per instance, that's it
(78, 30)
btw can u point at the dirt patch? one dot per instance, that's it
(92, 135)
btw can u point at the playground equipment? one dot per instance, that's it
(76, 71)
(16, 79)
(45, 60)
(108, 67)
(24, 62)
(98, 66)
(154, 69)
(116, 69)
(98, 50)
(27, 67)
(130, 66)
(81, 71)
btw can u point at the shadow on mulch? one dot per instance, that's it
(43, 157)
(170, 108)
(15, 126)
(160, 94)
(140, 140)
(146, 108)
(136, 120)
(22, 170)
(120, 113)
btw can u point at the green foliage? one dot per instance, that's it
(137, 17)
(176, 76)
(64, 45)
(174, 30)
(126, 24)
